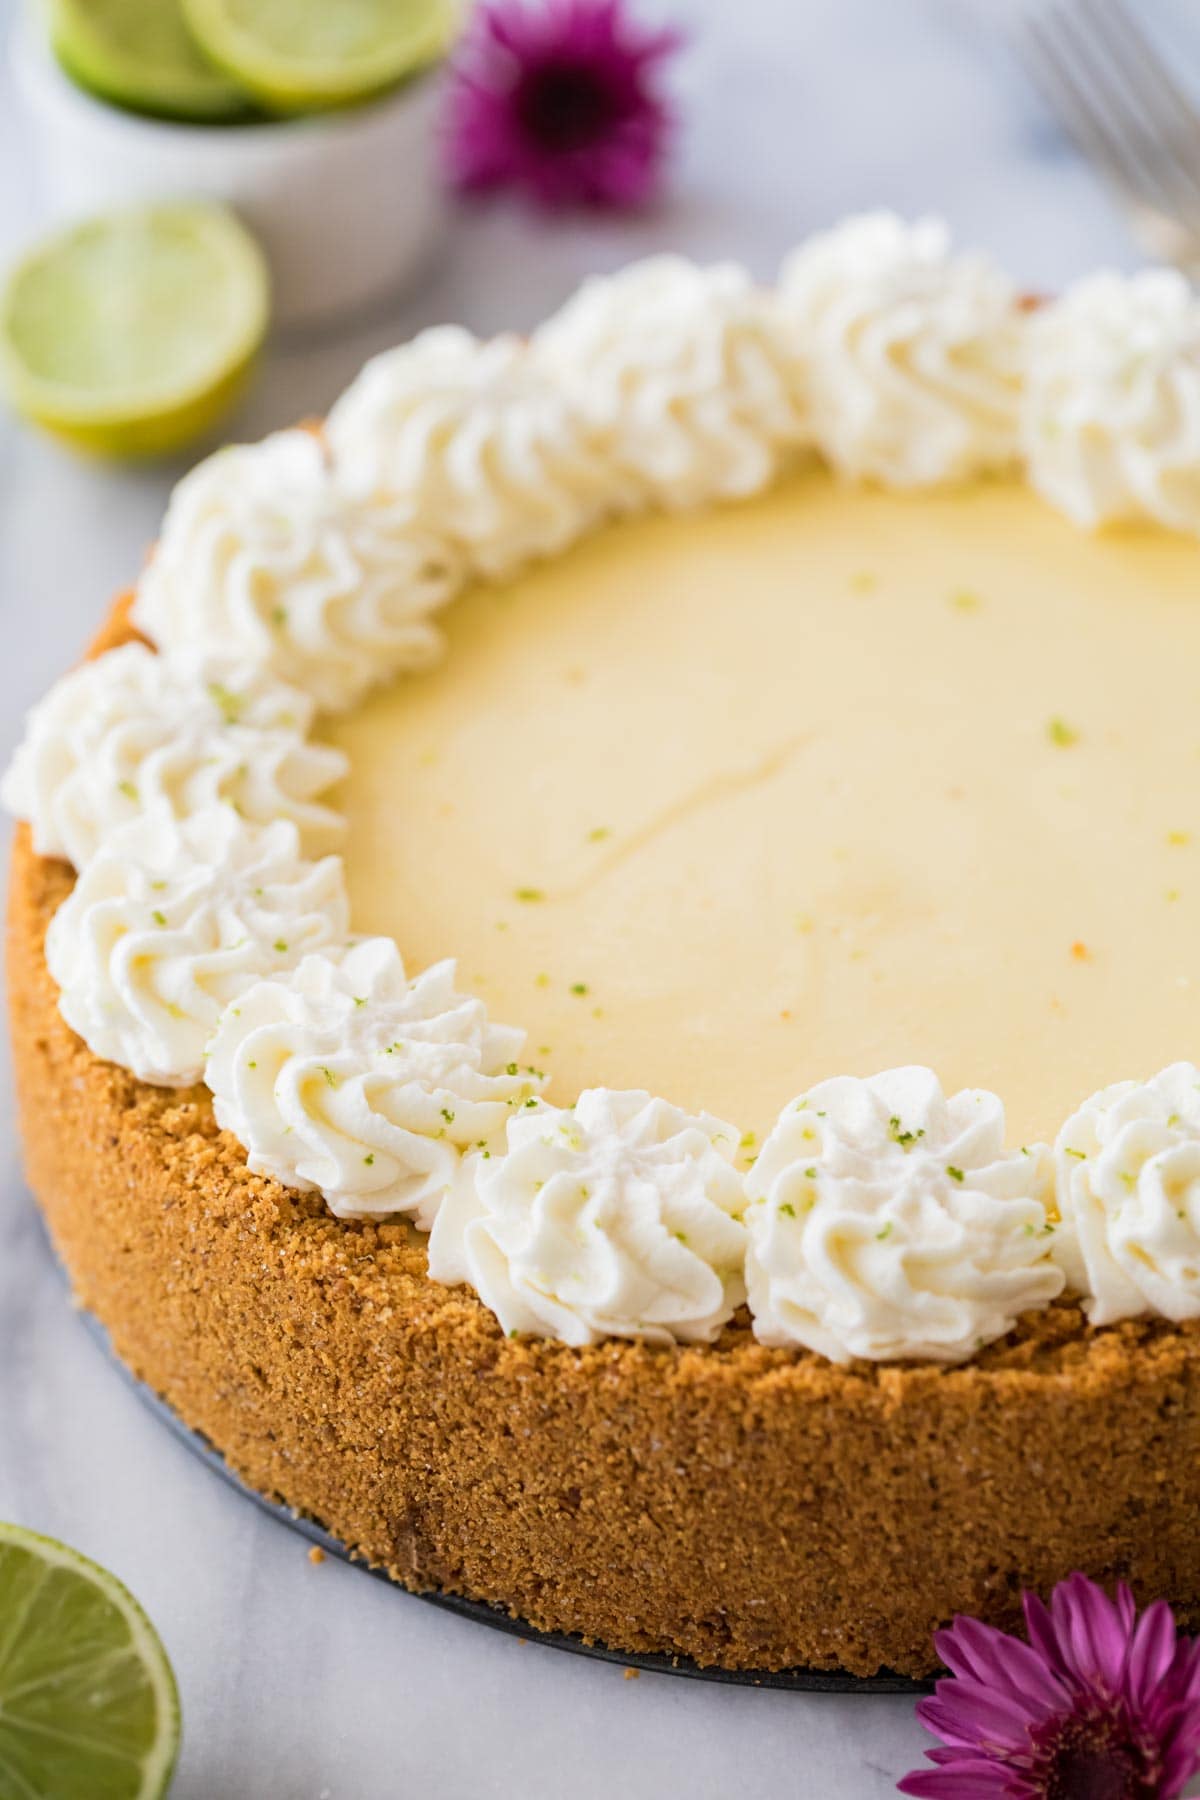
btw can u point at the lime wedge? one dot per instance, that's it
(139, 54)
(133, 333)
(302, 55)
(88, 1704)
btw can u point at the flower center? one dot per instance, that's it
(1096, 1756)
(566, 106)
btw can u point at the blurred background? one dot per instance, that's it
(316, 1682)
(790, 114)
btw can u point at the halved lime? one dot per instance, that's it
(139, 54)
(132, 334)
(302, 55)
(88, 1704)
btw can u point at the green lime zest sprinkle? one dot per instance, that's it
(787, 1209)
(160, 918)
(447, 1115)
(953, 1173)
(810, 1174)
(330, 1077)
(280, 946)
(360, 1000)
(531, 1103)
(1061, 734)
(905, 1139)
(528, 894)
(369, 1158)
(227, 700)
(128, 789)
(279, 615)
(1080, 1155)
(885, 1232)
(579, 987)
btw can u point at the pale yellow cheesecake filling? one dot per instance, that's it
(823, 783)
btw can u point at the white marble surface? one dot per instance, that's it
(303, 1683)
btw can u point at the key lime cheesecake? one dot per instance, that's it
(777, 706)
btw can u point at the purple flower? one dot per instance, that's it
(562, 101)
(1100, 1704)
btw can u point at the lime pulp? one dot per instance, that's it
(132, 333)
(139, 54)
(304, 55)
(88, 1704)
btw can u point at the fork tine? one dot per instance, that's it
(1149, 76)
(1051, 59)
(1155, 108)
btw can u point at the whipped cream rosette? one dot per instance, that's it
(617, 1217)
(684, 377)
(1111, 426)
(1129, 1186)
(477, 439)
(914, 355)
(887, 1220)
(265, 558)
(344, 1075)
(171, 920)
(132, 732)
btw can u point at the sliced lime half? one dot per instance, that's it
(132, 334)
(139, 54)
(303, 55)
(88, 1704)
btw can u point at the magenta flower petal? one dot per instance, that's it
(972, 1649)
(1101, 1701)
(1092, 1631)
(1151, 1653)
(561, 100)
(966, 1781)
(966, 1713)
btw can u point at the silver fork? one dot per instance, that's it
(1126, 112)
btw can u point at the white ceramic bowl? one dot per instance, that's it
(346, 205)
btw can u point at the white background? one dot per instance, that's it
(303, 1683)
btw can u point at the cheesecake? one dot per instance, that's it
(604, 956)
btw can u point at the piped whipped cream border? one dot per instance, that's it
(207, 936)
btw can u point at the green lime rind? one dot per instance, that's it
(140, 55)
(89, 1709)
(132, 334)
(299, 56)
